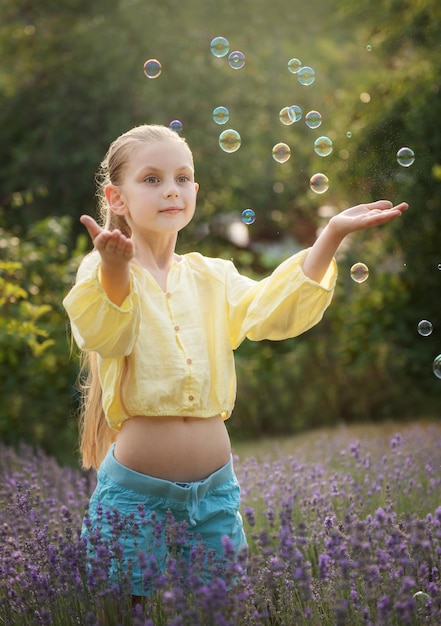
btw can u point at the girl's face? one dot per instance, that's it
(158, 193)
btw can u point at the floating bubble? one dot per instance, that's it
(348, 134)
(313, 119)
(425, 328)
(229, 140)
(306, 75)
(221, 115)
(421, 599)
(405, 157)
(295, 113)
(369, 47)
(176, 125)
(236, 60)
(248, 216)
(436, 366)
(359, 272)
(421, 594)
(319, 183)
(439, 266)
(281, 152)
(152, 68)
(323, 146)
(294, 65)
(219, 46)
(285, 117)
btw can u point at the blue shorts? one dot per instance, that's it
(151, 520)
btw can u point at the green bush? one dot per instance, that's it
(37, 369)
(363, 362)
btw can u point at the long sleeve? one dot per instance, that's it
(282, 305)
(97, 323)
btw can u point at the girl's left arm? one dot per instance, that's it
(356, 218)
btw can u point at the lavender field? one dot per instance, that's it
(344, 527)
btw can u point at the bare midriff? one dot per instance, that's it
(179, 449)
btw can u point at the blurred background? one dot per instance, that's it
(72, 79)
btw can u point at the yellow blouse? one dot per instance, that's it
(180, 342)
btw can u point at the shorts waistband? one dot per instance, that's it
(149, 485)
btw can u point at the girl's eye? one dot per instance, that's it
(183, 179)
(151, 179)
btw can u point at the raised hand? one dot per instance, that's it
(366, 215)
(116, 250)
(112, 245)
(348, 221)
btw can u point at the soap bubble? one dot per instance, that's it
(248, 216)
(323, 146)
(221, 115)
(236, 60)
(229, 140)
(306, 75)
(421, 600)
(219, 46)
(359, 272)
(425, 328)
(421, 595)
(319, 183)
(295, 113)
(285, 117)
(294, 65)
(348, 134)
(152, 68)
(176, 125)
(436, 366)
(313, 119)
(281, 152)
(369, 47)
(405, 157)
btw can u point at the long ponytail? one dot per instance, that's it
(95, 434)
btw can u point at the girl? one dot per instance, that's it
(159, 330)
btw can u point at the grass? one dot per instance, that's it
(309, 445)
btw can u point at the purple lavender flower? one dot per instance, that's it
(350, 538)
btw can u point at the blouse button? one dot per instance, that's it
(176, 327)
(190, 397)
(168, 294)
(189, 361)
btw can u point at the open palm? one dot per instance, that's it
(112, 245)
(366, 215)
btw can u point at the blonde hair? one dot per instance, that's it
(95, 434)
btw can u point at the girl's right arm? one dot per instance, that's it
(116, 251)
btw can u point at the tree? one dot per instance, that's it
(72, 79)
(403, 105)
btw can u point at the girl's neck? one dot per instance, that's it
(157, 255)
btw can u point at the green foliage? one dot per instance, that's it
(18, 324)
(403, 111)
(74, 88)
(72, 79)
(36, 368)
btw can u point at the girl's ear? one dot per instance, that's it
(115, 200)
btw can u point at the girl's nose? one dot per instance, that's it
(171, 192)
